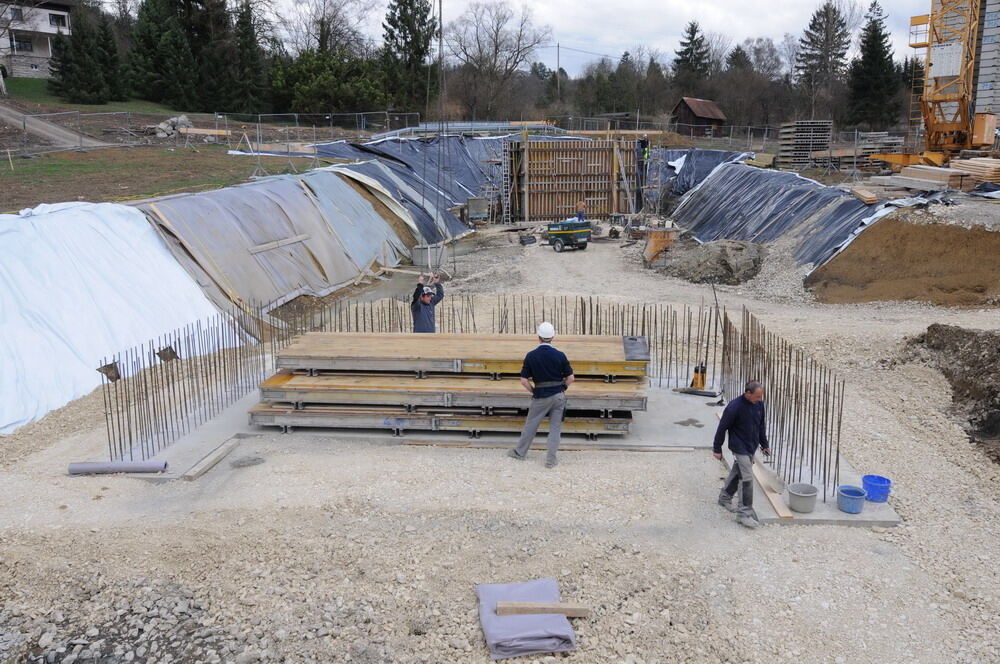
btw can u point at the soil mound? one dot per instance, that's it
(904, 257)
(970, 360)
(718, 262)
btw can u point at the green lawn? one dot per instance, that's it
(36, 91)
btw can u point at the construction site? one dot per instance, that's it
(222, 438)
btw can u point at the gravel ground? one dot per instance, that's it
(333, 550)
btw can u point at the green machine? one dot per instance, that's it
(569, 233)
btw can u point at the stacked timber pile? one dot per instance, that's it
(446, 382)
(799, 140)
(928, 178)
(982, 169)
(858, 156)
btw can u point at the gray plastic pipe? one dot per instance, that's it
(108, 467)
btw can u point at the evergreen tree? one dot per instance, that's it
(77, 73)
(692, 61)
(145, 69)
(209, 29)
(111, 65)
(176, 75)
(738, 60)
(822, 53)
(322, 81)
(408, 33)
(248, 89)
(873, 79)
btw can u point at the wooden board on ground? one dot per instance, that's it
(983, 169)
(590, 355)
(534, 608)
(866, 196)
(454, 390)
(197, 131)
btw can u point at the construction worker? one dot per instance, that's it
(425, 299)
(581, 210)
(743, 419)
(546, 373)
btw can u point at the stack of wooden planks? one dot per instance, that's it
(446, 382)
(981, 169)
(949, 177)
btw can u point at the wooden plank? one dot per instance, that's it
(210, 460)
(197, 131)
(864, 195)
(534, 608)
(267, 246)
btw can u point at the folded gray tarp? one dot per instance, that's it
(515, 636)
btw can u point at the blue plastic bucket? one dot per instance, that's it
(877, 487)
(851, 499)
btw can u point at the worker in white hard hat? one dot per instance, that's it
(546, 373)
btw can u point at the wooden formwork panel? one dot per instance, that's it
(398, 420)
(462, 391)
(553, 176)
(590, 355)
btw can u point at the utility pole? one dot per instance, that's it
(558, 75)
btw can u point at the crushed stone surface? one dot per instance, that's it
(337, 550)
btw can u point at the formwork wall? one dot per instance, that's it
(988, 59)
(551, 177)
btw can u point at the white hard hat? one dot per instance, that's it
(546, 331)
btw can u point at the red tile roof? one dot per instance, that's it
(703, 108)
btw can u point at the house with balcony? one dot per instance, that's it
(26, 35)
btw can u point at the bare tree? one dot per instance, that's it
(789, 50)
(325, 24)
(491, 43)
(719, 46)
(853, 13)
(764, 56)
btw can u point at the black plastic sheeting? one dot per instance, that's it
(698, 164)
(739, 202)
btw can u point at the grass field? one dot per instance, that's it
(122, 174)
(35, 92)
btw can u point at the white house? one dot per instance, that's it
(26, 35)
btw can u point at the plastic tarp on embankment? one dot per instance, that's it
(79, 281)
(280, 237)
(738, 202)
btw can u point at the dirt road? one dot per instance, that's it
(51, 133)
(322, 549)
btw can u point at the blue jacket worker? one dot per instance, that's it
(546, 373)
(425, 299)
(744, 420)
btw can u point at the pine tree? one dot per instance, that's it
(176, 74)
(77, 71)
(248, 88)
(738, 60)
(408, 33)
(111, 65)
(873, 81)
(144, 66)
(210, 38)
(822, 52)
(692, 61)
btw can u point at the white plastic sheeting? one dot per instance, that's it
(79, 281)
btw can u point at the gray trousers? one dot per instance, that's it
(553, 407)
(740, 484)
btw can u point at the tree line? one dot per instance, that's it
(312, 56)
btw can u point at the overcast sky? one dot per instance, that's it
(613, 26)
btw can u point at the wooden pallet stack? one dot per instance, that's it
(928, 178)
(446, 382)
(799, 140)
(982, 169)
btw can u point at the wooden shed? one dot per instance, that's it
(698, 117)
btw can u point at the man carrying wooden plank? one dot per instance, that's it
(425, 299)
(546, 373)
(743, 419)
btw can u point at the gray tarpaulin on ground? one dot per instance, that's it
(519, 635)
(738, 202)
(280, 237)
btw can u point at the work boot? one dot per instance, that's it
(514, 455)
(550, 463)
(747, 521)
(727, 503)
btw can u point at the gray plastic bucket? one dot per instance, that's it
(802, 497)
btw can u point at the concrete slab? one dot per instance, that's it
(826, 513)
